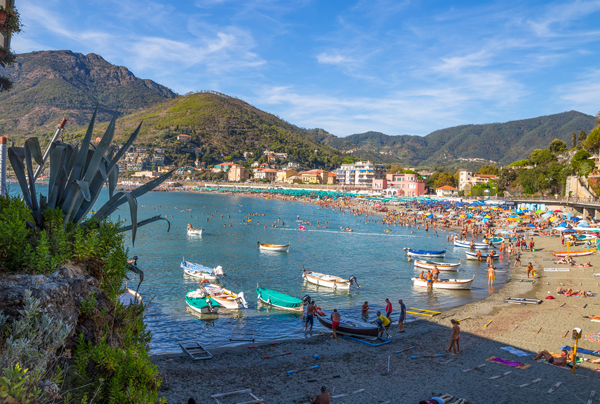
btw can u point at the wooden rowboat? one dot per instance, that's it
(200, 271)
(224, 297)
(574, 253)
(424, 253)
(274, 247)
(195, 232)
(349, 327)
(200, 303)
(329, 281)
(452, 284)
(442, 266)
(467, 244)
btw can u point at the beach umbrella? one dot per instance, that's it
(583, 223)
(488, 217)
(531, 225)
(539, 211)
(575, 219)
(429, 216)
(557, 211)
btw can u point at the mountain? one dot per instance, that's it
(51, 84)
(223, 126)
(499, 142)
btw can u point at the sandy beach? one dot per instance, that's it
(529, 327)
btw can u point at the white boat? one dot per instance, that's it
(195, 232)
(328, 281)
(473, 256)
(224, 297)
(467, 244)
(274, 247)
(453, 284)
(200, 303)
(442, 266)
(200, 271)
(130, 297)
(424, 253)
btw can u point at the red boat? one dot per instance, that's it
(349, 327)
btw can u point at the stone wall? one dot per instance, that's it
(576, 188)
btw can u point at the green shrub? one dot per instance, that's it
(15, 248)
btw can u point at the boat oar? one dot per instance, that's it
(406, 349)
(289, 372)
(466, 318)
(428, 356)
(279, 354)
(485, 326)
(325, 378)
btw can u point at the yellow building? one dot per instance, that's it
(237, 173)
(283, 175)
(315, 177)
(332, 179)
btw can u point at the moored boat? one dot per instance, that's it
(495, 240)
(226, 298)
(442, 266)
(200, 303)
(349, 327)
(473, 256)
(329, 281)
(200, 271)
(424, 253)
(192, 231)
(573, 253)
(451, 284)
(274, 247)
(129, 297)
(278, 299)
(469, 244)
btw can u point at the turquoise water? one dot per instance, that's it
(376, 258)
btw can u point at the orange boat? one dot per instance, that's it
(574, 253)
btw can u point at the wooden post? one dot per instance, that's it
(3, 156)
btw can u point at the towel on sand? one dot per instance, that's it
(517, 365)
(515, 351)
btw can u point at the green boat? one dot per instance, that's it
(197, 301)
(279, 300)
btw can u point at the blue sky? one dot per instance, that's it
(398, 67)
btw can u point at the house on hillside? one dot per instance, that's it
(466, 177)
(184, 138)
(223, 167)
(446, 191)
(266, 174)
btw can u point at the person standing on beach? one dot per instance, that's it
(454, 338)
(388, 309)
(529, 270)
(518, 259)
(491, 275)
(335, 322)
(402, 316)
(310, 315)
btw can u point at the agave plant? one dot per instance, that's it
(77, 175)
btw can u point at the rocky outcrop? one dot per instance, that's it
(61, 295)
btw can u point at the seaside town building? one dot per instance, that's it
(283, 175)
(266, 174)
(446, 191)
(404, 184)
(360, 173)
(184, 138)
(332, 179)
(315, 176)
(223, 167)
(237, 173)
(467, 178)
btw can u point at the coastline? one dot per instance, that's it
(410, 380)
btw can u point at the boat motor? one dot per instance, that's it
(219, 271)
(353, 281)
(209, 304)
(306, 299)
(241, 299)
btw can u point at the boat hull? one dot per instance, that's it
(350, 328)
(200, 275)
(204, 310)
(440, 268)
(573, 253)
(449, 284)
(226, 298)
(335, 283)
(195, 232)
(424, 254)
(274, 247)
(299, 309)
(477, 246)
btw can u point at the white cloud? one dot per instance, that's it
(582, 93)
(332, 59)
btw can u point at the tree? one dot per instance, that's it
(445, 179)
(558, 146)
(488, 170)
(592, 143)
(541, 156)
(597, 120)
(582, 137)
(573, 140)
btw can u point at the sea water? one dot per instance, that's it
(375, 257)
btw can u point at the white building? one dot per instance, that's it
(466, 177)
(360, 173)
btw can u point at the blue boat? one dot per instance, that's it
(424, 253)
